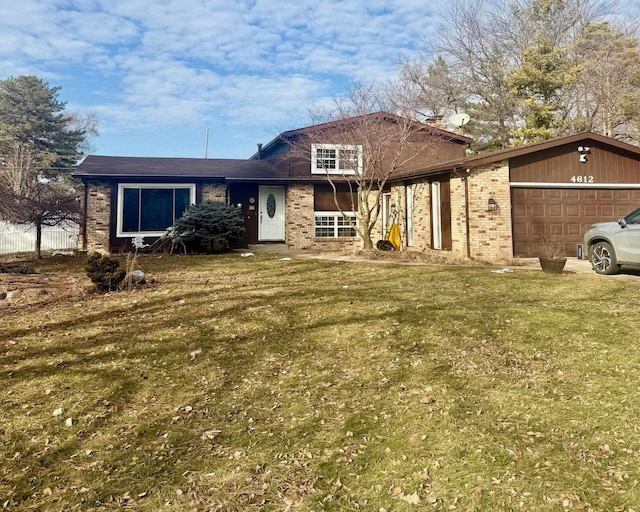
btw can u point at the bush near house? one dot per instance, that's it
(104, 271)
(211, 224)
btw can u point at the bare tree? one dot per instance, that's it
(495, 55)
(373, 133)
(39, 146)
(28, 197)
(607, 96)
(480, 60)
(438, 90)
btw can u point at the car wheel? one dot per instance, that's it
(603, 259)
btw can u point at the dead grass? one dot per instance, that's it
(268, 384)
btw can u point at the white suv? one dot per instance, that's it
(611, 244)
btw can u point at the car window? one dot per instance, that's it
(633, 217)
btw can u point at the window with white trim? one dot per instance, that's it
(334, 225)
(336, 159)
(148, 209)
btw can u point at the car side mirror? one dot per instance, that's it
(622, 222)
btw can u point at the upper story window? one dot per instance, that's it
(336, 159)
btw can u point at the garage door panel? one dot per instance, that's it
(623, 195)
(607, 211)
(568, 213)
(536, 230)
(519, 210)
(573, 211)
(554, 229)
(555, 210)
(574, 229)
(535, 210)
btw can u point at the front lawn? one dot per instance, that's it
(261, 383)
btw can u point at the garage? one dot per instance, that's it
(561, 187)
(506, 203)
(564, 214)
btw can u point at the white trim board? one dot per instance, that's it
(523, 184)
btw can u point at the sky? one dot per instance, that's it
(160, 73)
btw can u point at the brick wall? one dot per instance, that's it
(299, 223)
(217, 193)
(98, 216)
(458, 216)
(421, 215)
(299, 216)
(489, 232)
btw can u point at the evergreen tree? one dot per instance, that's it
(211, 223)
(545, 71)
(39, 146)
(525, 70)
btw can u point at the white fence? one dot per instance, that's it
(22, 237)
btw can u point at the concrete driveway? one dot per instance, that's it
(577, 266)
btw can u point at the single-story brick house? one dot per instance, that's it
(282, 190)
(501, 204)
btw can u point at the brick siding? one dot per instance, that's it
(421, 215)
(217, 193)
(299, 223)
(98, 216)
(489, 232)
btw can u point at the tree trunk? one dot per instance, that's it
(367, 243)
(38, 224)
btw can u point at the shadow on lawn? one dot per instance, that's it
(262, 332)
(129, 329)
(284, 348)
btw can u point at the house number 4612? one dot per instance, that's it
(582, 179)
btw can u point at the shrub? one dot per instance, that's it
(210, 223)
(104, 271)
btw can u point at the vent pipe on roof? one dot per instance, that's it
(259, 151)
(206, 142)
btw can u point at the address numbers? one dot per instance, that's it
(582, 179)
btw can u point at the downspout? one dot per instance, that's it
(466, 211)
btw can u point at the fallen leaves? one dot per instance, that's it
(412, 499)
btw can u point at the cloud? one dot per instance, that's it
(150, 64)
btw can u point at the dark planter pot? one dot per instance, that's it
(552, 265)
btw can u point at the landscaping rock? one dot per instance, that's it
(137, 277)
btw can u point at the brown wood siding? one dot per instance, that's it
(445, 214)
(278, 155)
(560, 164)
(423, 151)
(564, 214)
(323, 200)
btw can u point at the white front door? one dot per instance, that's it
(271, 214)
